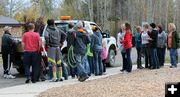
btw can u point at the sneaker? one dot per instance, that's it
(173, 66)
(10, 76)
(125, 72)
(83, 78)
(122, 70)
(60, 79)
(54, 80)
(27, 81)
(5, 75)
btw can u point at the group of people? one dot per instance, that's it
(89, 50)
(151, 42)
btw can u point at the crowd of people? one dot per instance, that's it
(151, 42)
(89, 50)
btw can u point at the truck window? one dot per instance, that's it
(99, 30)
(63, 26)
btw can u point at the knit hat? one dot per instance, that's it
(79, 24)
(6, 28)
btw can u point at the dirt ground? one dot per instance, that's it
(139, 83)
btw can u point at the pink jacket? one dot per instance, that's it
(104, 53)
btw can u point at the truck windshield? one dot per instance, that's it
(63, 26)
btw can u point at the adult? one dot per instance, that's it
(145, 45)
(161, 45)
(153, 46)
(80, 50)
(71, 37)
(39, 27)
(173, 44)
(127, 42)
(31, 44)
(6, 49)
(97, 51)
(54, 39)
(138, 45)
(120, 37)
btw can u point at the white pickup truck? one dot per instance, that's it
(63, 24)
(110, 41)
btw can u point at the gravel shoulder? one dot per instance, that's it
(139, 83)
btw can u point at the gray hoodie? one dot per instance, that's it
(54, 36)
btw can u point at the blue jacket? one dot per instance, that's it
(96, 41)
(81, 42)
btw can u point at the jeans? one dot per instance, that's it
(50, 71)
(104, 65)
(86, 64)
(154, 59)
(129, 61)
(147, 55)
(138, 57)
(161, 55)
(31, 58)
(124, 56)
(81, 71)
(98, 62)
(174, 57)
(73, 71)
(91, 64)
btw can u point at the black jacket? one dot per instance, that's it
(71, 34)
(7, 43)
(153, 35)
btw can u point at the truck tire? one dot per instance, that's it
(111, 58)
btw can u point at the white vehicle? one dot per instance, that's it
(110, 41)
(63, 24)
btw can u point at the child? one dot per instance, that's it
(104, 55)
(90, 59)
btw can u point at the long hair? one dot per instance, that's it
(128, 26)
(160, 28)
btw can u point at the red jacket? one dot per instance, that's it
(127, 42)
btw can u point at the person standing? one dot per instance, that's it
(120, 37)
(97, 51)
(138, 43)
(54, 39)
(161, 45)
(6, 49)
(71, 37)
(104, 55)
(153, 46)
(39, 27)
(31, 44)
(146, 46)
(127, 42)
(173, 44)
(80, 50)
